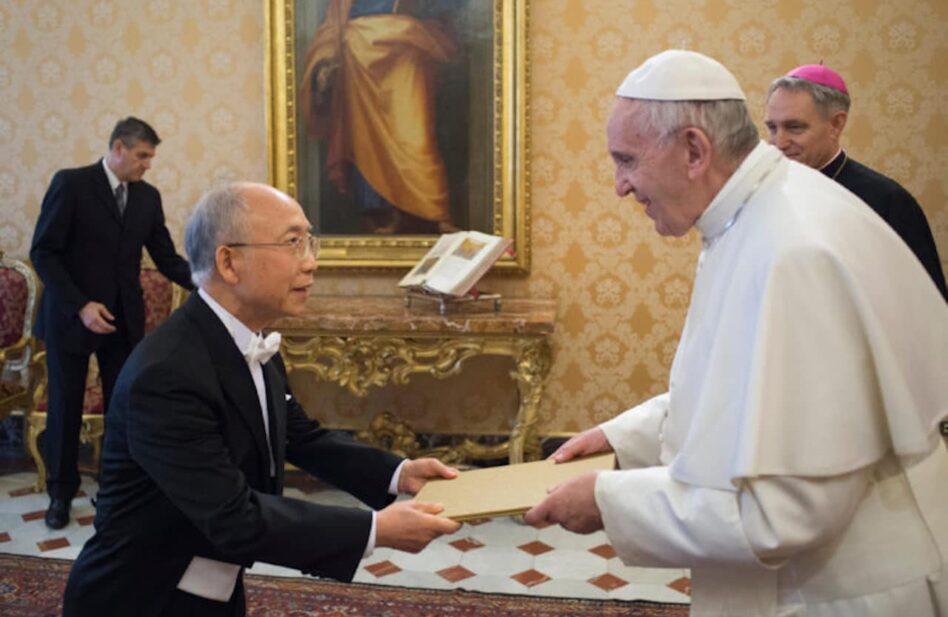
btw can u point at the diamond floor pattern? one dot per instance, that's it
(500, 555)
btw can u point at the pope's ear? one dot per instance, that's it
(225, 259)
(699, 150)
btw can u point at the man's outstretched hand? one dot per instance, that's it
(411, 525)
(415, 473)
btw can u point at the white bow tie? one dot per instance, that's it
(262, 349)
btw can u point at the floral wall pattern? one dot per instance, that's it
(195, 71)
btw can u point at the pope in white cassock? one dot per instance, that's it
(795, 463)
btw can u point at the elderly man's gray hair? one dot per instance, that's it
(827, 100)
(218, 218)
(726, 123)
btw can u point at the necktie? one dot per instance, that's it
(262, 349)
(120, 200)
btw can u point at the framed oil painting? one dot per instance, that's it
(394, 121)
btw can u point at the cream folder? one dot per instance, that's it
(507, 490)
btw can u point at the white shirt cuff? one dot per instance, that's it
(393, 485)
(370, 545)
(392, 490)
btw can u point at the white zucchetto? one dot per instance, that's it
(678, 75)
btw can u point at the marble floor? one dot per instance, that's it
(500, 555)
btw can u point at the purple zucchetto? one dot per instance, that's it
(819, 74)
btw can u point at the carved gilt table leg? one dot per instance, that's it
(532, 365)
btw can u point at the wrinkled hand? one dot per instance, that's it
(571, 504)
(415, 473)
(411, 525)
(590, 441)
(97, 318)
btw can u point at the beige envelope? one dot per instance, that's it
(507, 490)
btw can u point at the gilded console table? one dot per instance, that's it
(365, 342)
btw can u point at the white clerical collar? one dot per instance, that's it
(238, 331)
(832, 158)
(726, 206)
(113, 179)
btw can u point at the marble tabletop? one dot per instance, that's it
(388, 314)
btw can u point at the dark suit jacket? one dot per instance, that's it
(185, 472)
(83, 250)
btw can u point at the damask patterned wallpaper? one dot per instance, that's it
(69, 69)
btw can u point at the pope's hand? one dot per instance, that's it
(590, 441)
(415, 473)
(411, 525)
(571, 504)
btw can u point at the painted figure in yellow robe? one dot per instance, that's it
(368, 90)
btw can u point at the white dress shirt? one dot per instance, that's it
(113, 179)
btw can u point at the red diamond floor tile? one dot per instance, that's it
(530, 578)
(681, 585)
(455, 574)
(85, 521)
(535, 548)
(4, 537)
(34, 516)
(608, 582)
(466, 544)
(52, 544)
(27, 490)
(382, 568)
(603, 550)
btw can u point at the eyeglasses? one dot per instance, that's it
(304, 245)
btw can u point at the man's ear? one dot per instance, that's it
(225, 260)
(698, 148)
(838, 122)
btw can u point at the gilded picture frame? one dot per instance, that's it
(492, 186)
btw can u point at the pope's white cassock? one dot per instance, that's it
(796, 457)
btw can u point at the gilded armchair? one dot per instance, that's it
(19, 288)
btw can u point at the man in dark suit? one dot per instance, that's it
(87, 249)
(201, 424)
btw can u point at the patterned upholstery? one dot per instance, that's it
(13, 298)
(161, 297)
(158, 294)
(18, 293)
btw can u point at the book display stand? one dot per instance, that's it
(445, 301)
(454, 265)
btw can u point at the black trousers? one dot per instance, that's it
(177, 604)
(66, 389)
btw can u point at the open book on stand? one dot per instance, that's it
(455, 263)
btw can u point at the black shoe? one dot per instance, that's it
(57, 516)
